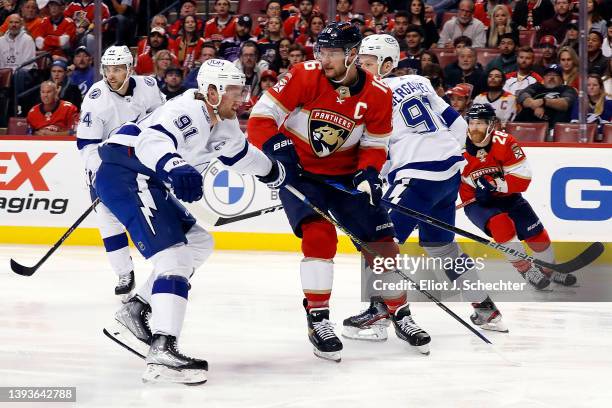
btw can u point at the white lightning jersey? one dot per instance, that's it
(183, 126)
(428, 135)
(103, 112)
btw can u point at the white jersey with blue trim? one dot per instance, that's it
(103, 112)
(183, 126)
(428, 135)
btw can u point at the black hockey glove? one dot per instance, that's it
(369, 181)
(186, 181)
(484, 189)
(285, 161)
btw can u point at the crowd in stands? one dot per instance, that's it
(519, 55)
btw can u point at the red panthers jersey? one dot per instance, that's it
(62, 118)
(335, 130)
(503, 160)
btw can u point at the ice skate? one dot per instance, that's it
(130, 328)
(321, 334)
(370, 325)
(536, 278)
(166, 364)
(125, 285)
(407, 330)
(488, 317)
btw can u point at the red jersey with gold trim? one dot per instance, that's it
(213, 27)
(503, 160)
(78, 12)
(62, 118)
(334, 131)
(54, 37)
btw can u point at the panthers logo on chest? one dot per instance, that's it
(327, 131)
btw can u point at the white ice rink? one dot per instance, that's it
(245, 317)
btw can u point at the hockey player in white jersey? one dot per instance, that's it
(118, 98)
(424, 173)
(173, 145)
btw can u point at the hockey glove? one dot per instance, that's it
(280, 149)
(369, 181)
(277, 176)
(186, 182)
(485, 186)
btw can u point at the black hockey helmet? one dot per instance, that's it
(482, 111)
(339, 35)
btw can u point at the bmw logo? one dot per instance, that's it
(226, 192)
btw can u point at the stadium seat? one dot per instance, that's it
(361, 7)
(486, 55)
(445, 56)
(251, 6)
(17, 126)
(528, 131)
(6, 74)
(607, 133)
(527, 37)
(569, 132)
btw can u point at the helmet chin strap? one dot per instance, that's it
(346, 72)
(215, 107)
(125, 81)
(485, 141)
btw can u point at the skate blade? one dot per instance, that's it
(424, 349)
(498, 327)
(327, 355)
(376, 333)
(122, 336)
(156, 373)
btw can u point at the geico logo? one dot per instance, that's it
(582, 193)
(28, 170)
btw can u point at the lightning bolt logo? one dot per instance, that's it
(146, 200)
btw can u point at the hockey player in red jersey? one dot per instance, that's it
(329, 117)
(496, 174)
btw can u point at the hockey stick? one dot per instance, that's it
(590, 254)
(29, 270)
(465, 203)
(366, 247)
(212, 219)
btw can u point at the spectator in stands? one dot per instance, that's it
(379, 21)
(56, 33)
(17, 47)
(268, 44)
(416, 16)
(428, 58)
(158, 21)
(173, 82)
(188, 8)
(600, 104)
(460, 97)
(67, 91)
(463, 24)
(162, 60)
(462, 41)
(296, 55)
(557, 25)
(484, 10)
(359, 21)
(439, 7)
(251, 65)
(297, 24)
(344, 11)
(29, 15)
(414, 42)
(281, 63)
(157, 40)
(525, 75)
(500, 24)
(123, 21)
(82, 70)
(548, 47)
(399, 30)
(308, 40)
(208, 51)
(506, 60)
(594, 20)
(608, 78)
(606, 47)
(598, 63)
(7, 8)
(568, 60)
(465, 70)
(434, 73)
(571, 36)
(188, 45)
(223, 25)
(273, 9)
(230, 47)
(269, 78)
(503, 102)
(530, 14)
(550, 101)
(83, 15)
(52, 117)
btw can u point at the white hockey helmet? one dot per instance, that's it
(117, 55)
(382, 46)
(219, 73)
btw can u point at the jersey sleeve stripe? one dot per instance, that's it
(437, 165)
(163, 130)
(230, 161)
(81, 143)
(129, 130)
(449, 115)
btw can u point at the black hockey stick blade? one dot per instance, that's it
(22, 270)
(240, 217)
(586, 257)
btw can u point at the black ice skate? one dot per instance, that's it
(321, 334)
(166, 364)
(407, 330)
(536, 278)
(125, 285)
(370, 325)
(130, 328)
(487, 316)
(565, 279)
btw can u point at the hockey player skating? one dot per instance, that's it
(424, 173)
(173, 145)
(119, 98)
(329, 117)
(496, 174)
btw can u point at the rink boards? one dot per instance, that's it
(43, 191)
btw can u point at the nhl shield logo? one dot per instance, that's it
(328, 131)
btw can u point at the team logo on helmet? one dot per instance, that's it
(328, 131)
